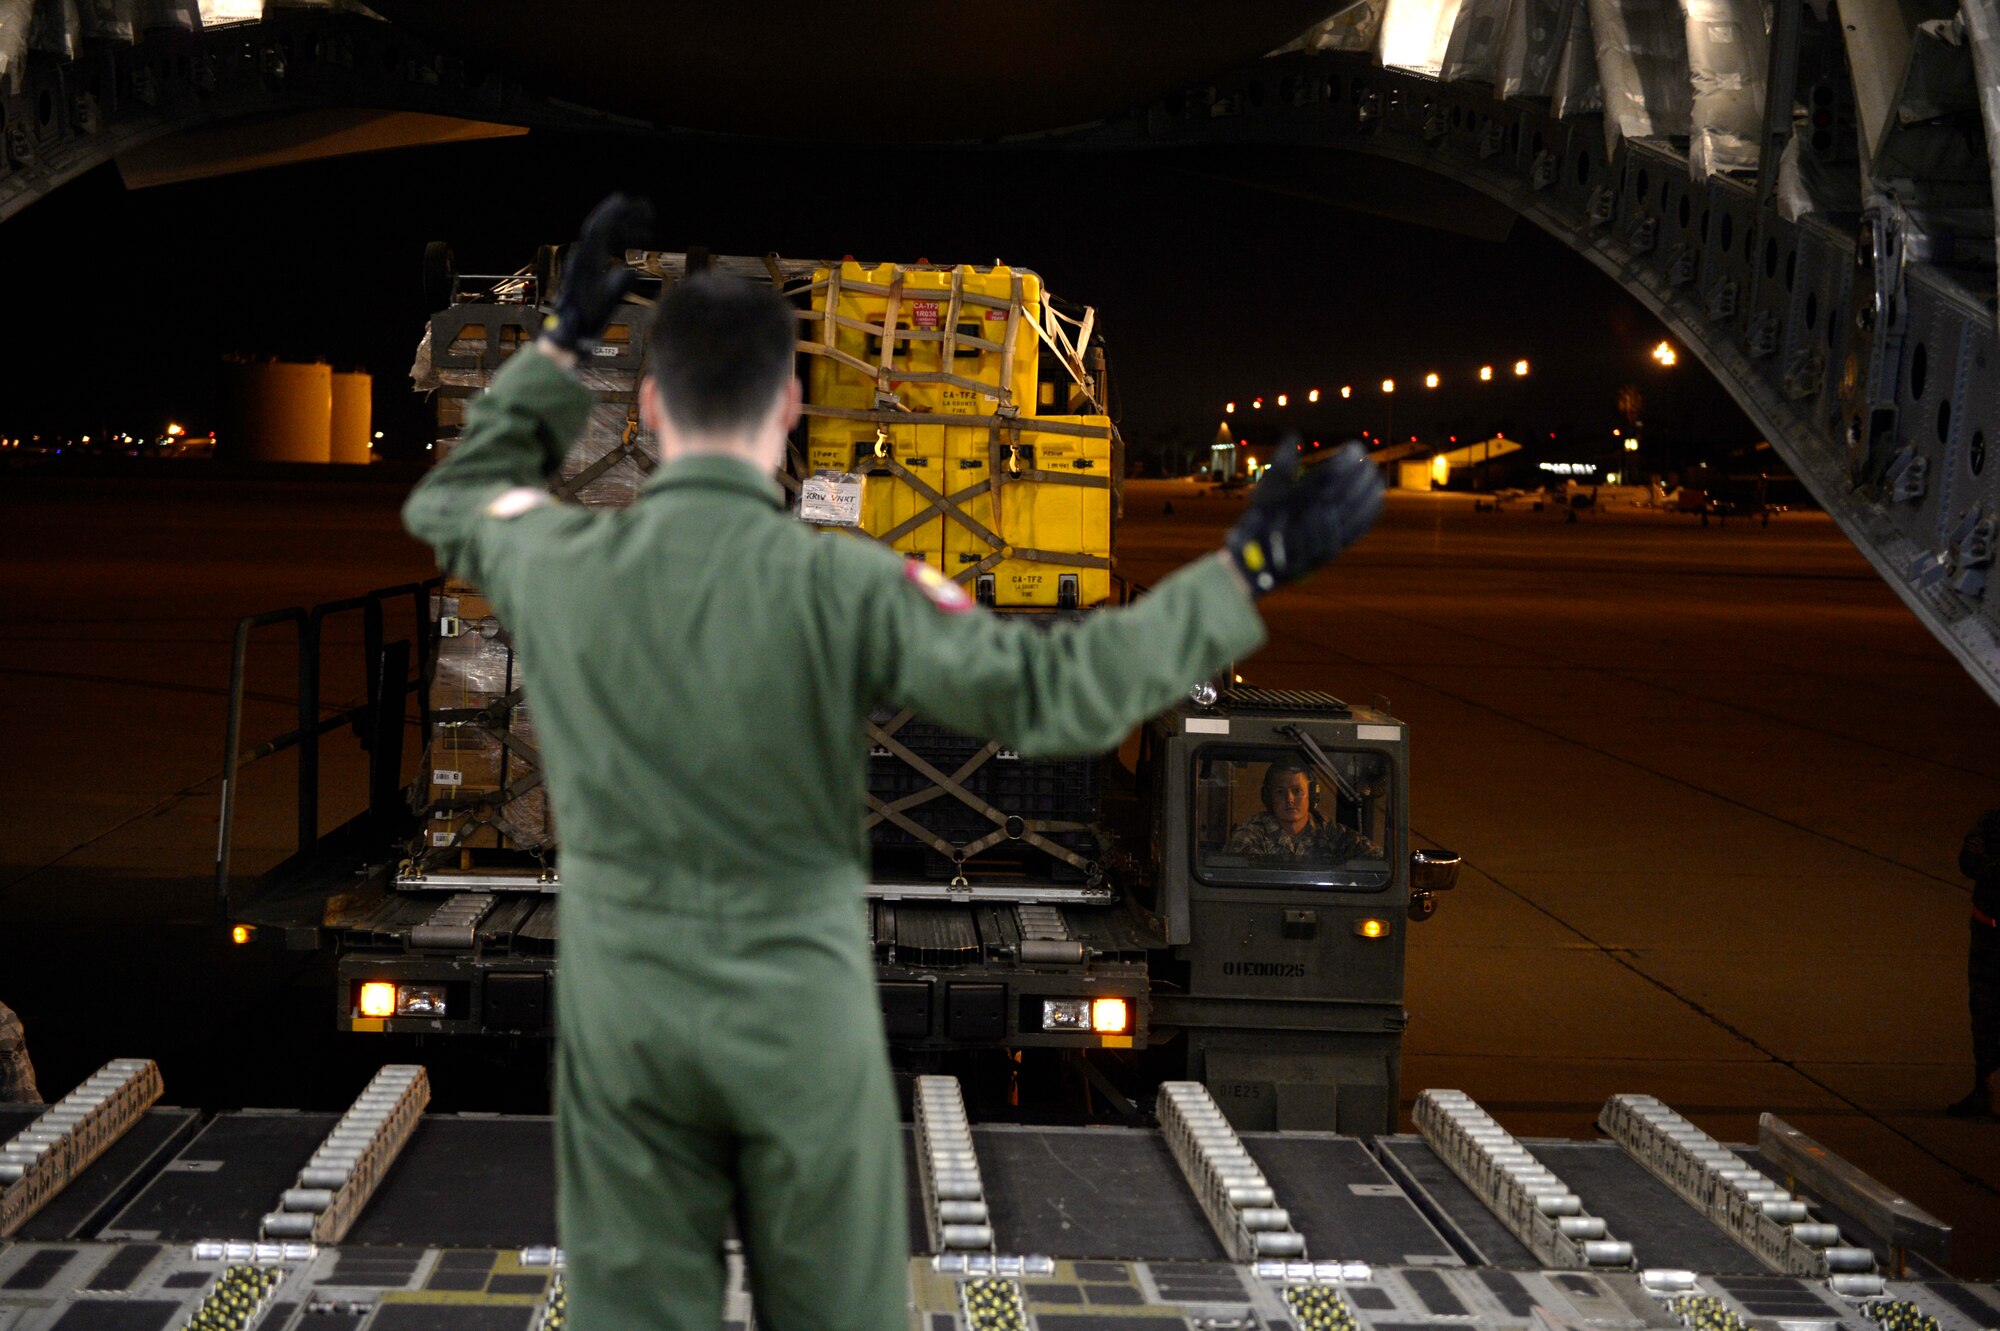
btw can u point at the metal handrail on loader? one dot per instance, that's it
(377, 719)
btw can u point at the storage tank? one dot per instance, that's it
(277, 411)
(353, 416)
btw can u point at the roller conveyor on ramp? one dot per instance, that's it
(153, 1219)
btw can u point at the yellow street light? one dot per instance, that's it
(1281, 399)
(1313, 396)
(1388, 385)
(1256, 404)
(175, 431)
(1665, 354)
(1431, 380)
(1520, 369)
(1486, 374)
(1230, 410)
(1347, 390)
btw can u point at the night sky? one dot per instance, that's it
(1209, 286)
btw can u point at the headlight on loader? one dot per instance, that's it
(420, 1000)
(380, 998)
(1105, 1016)
(1065, 1014)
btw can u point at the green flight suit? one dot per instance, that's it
(701, 665)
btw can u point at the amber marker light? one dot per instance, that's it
(378, 999)
(241, 934)
(1110, 1016)
(1372, 928)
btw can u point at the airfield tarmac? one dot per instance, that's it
(1709, 785)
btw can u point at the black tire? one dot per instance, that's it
(440, 275)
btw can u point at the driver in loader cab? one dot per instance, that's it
(701, 665)
(1290, 827)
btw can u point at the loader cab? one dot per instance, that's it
(1283, 873)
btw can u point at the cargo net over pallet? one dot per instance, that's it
(954, 414)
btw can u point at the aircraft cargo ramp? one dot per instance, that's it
(373, 1220)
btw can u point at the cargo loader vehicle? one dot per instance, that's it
(1124, 923)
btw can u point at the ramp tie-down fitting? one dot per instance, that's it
(1238, 1199)
(1523, 1192)
(41, 1159)
(354, 1159)
(1757, 1211)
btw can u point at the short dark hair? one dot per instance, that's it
(720, 349)
(1281, 770)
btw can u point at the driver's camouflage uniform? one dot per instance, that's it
(1318, 840)
(701, 666)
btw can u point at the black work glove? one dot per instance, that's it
(1301, 517)
(594, 276)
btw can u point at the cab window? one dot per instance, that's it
(1273, 817)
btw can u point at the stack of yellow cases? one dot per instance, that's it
(1016, 506)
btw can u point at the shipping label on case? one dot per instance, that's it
(443, 838)
(924, 314)
(831, 499)
(445, 777)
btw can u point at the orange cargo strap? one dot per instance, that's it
(890, 309)
(646, 460)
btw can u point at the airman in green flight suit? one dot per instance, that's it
(701, 665)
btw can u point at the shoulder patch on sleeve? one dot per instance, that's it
(945, 594)
(513, 503)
